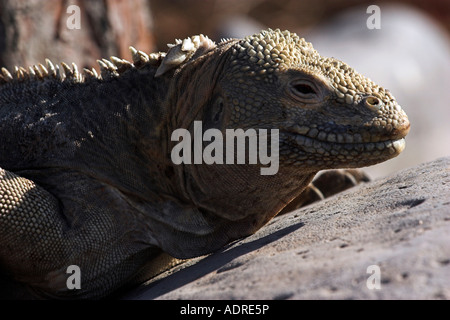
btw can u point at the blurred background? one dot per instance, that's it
(409, 54)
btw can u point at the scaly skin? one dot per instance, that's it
(87, 177)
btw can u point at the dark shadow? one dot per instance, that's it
(13, 290)
(207, 265)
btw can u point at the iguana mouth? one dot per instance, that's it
(339, 142)
(348, 149)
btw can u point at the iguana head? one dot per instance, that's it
(328, 115)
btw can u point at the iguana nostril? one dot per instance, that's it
(373, 102)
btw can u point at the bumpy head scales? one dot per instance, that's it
(274, 50)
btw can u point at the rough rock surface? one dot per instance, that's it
(400, 223)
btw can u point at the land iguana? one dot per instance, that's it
(86, 173)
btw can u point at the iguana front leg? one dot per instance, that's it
(30, 220)
(325, 185)
(40, 239)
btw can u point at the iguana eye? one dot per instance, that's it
(303, 90)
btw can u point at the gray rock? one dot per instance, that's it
(399, 223)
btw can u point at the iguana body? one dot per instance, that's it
(87, 178)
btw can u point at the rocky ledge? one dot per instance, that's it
(387, 239)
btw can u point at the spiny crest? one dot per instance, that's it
(180, 52)
(63, 72)
(184, 50)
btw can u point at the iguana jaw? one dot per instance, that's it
(335, 141)
(318, 154)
